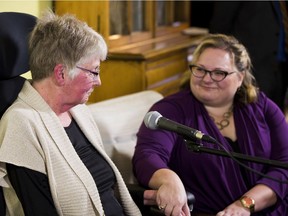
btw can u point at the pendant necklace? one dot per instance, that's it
(225, 121)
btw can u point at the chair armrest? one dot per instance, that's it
(137, 194)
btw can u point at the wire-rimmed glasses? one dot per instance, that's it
(93, 74)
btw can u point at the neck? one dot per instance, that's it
(218, 112)
(52, 95)
(221, 116)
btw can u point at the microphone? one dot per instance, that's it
(154, 120)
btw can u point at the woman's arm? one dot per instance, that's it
(33, 191)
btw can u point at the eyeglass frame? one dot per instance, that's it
(94, 73)
(226, 73)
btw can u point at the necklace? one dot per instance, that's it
(225, 121)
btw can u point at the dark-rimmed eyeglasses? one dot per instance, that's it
(216, 75)
(92, 74)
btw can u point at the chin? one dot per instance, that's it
(206, 99)
(206, 96)
(85, 100)
(86, 97)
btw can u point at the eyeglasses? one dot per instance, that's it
(216, 75)
(92, 74)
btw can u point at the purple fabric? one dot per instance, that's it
(216, 181)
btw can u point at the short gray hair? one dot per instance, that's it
(62, 40)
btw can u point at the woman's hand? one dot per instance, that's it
(234, 209)
(170, 196)
(150, 197)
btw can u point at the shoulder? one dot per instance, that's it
(265, 108)
(18, 112)
(265, 103)
(262, 103)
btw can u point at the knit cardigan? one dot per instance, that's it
(32, 136)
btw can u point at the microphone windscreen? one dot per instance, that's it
(151, 119)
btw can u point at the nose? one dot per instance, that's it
(207, 77)
(97, 81)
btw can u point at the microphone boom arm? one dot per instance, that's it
(199, 148)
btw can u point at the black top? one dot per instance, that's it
(235, 146)
(2, 203)
(33, 190)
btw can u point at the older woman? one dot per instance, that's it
(51, 148)
(223, 102)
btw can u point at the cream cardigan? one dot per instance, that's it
(32, 136)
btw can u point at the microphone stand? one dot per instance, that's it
(196, 147)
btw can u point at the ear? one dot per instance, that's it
(59, 74)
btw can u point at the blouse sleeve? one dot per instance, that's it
(32, 189)
(279, 152)
(154, 147)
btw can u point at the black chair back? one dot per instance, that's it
(14, 31)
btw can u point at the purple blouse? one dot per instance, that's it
(217, 181)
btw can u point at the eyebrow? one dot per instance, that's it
(221, 69)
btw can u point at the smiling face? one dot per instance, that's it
(213, 93)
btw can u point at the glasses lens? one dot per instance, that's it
(92, 74)
(198, 72)
(218, 75)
